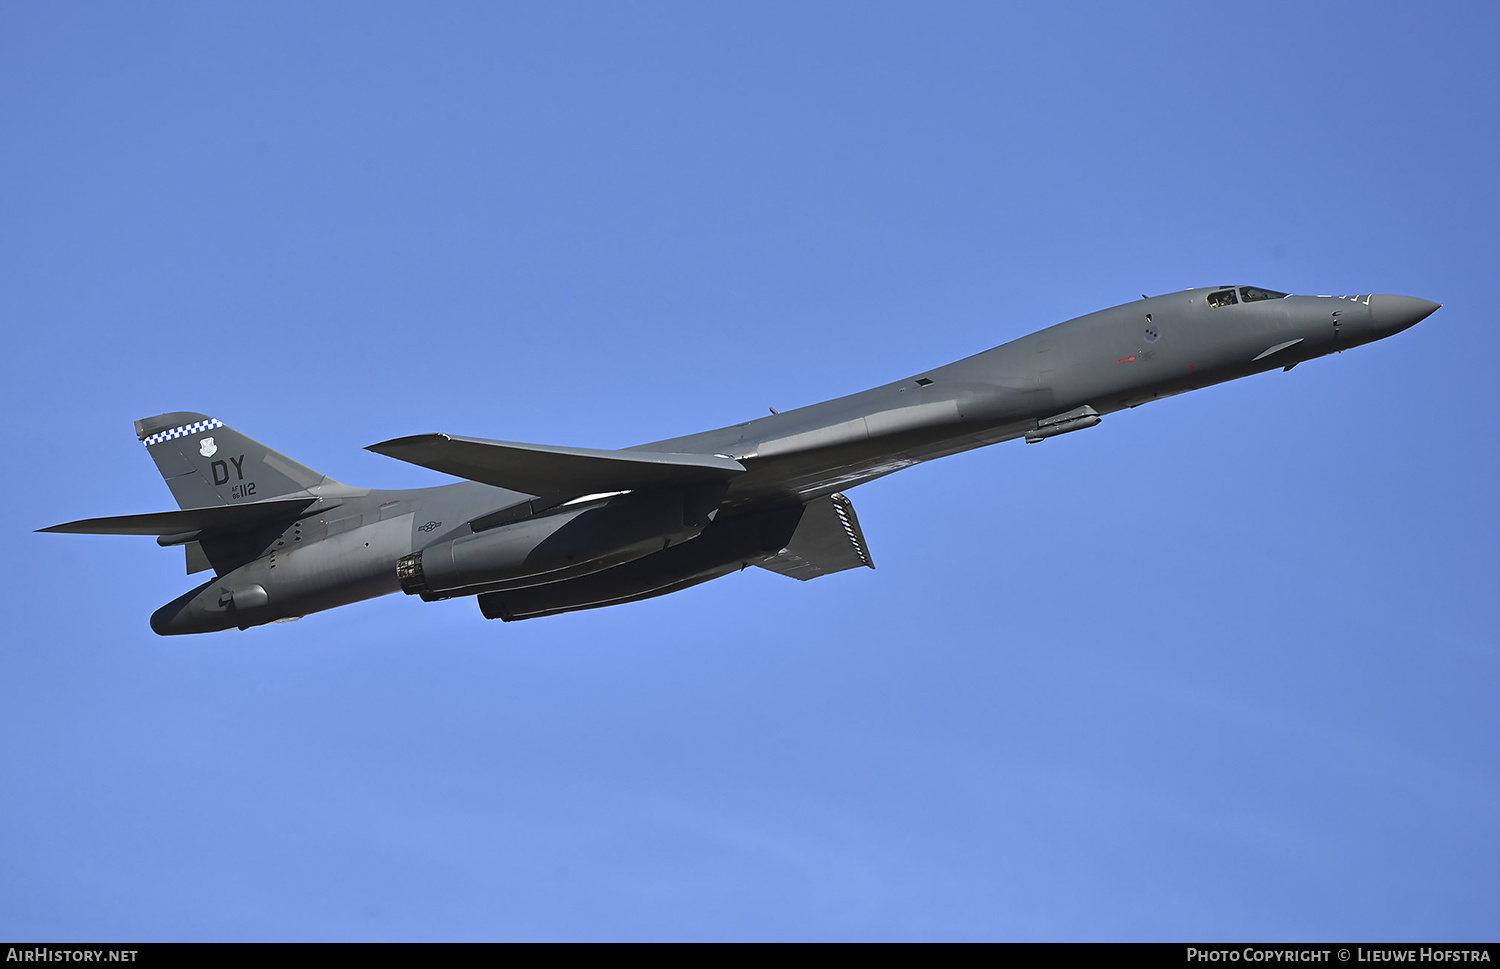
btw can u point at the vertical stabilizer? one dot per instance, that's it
(205, 462)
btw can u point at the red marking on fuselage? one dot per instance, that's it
(1126, 360)
(1190, 367)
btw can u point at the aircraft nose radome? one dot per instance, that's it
(1396, 313)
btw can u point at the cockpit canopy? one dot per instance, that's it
(1225, 296)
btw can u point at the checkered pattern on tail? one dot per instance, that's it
(185, 430)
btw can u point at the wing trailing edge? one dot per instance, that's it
(537, 469)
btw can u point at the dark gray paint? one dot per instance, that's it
(543, 530)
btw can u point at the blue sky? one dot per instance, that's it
(1224, 667)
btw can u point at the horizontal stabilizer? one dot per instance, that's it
(215, 518)
(828, 539)
(536, 469)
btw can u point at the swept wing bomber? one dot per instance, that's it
(536, 530)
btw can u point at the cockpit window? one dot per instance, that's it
(1251, 294)
(1224, 297)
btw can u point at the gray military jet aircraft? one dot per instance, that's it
(537, 531)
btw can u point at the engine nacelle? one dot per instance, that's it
(726, 547)
(570, 541)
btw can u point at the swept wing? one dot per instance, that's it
(537, 469)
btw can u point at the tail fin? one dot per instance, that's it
(206, 463)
